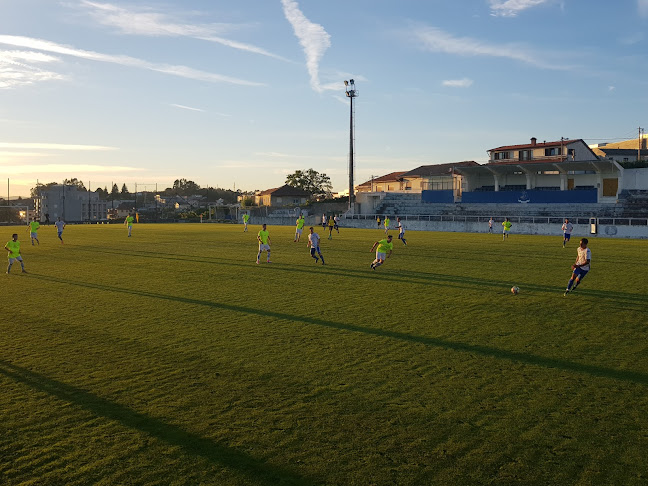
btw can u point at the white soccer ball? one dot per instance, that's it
(515, 289)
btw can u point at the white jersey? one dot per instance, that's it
(401, 229)
(584, 254)
(313, 239)
(567, 228)
(490, 223)
(59, 225)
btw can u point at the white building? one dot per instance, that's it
(70, 204)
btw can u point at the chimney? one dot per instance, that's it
(533, 140)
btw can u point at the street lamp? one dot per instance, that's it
(351, 93)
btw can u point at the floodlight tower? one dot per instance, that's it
(351, 93)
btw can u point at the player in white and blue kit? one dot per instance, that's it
(401, 231)
(60, 225)
(567, 229)
(313, 244)
(581, 267)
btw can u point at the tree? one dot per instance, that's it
(75, 182)
(185, 187)
(39, 188)
(124, 190)
(114, 193)
(311, 181)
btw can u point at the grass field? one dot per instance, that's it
(172, 358)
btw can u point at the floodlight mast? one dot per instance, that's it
(351, 93)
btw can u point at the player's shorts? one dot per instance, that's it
(33, 234)
(298, 231)
(567, 236)
(315, 249)
(580, 273)
(505, 232)
(263, 247)
(381, 256)
(401, 235)
(335, 226)
(11, 260)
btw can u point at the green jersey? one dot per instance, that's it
(246, 217)
(14, 248)
(263, 236)
(129, 221)
(300, 223)
(33, 226)
(387, 221)
(507, 225)
(384, 246)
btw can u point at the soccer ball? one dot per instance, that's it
(515, 289)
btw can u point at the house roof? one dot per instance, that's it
(536, 145)
(437, 169)
(285, 190)
(391, 177)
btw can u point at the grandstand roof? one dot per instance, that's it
(391, 177)
(437, 169)
(536, 166)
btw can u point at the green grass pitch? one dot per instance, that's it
(172, 358)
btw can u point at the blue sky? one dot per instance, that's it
(243, 93)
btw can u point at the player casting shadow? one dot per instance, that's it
(401, 277)
(219, 454)
(515, 356)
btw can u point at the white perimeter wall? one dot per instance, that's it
(580, 230)
(635, 179)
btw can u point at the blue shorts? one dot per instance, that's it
(315, 249)
(579, 273)
(567, 236)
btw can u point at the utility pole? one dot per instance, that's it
(351, 93)
(639, 146)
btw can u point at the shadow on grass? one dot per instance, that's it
(627, 299)
(219, 454)
(529, 359)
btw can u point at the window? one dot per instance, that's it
(502, 155)
(525, 154)
(551, 151)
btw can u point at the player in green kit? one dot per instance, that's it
(299, 228)
(264, 243)
(506, 225)
(13, 247)
(246, 218)
(387, 221)
(129, 222)
(383, 252)
(33, 231)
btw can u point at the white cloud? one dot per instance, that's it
(458, 83)
(642, 7)
(53, 146)
(510, 8)
(70, 168)
(433, 39)
(313, 39)
(19, 68)
(611, 88)
(148, 23)
(181, 71)
(186, 107)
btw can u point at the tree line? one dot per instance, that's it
(181, 187)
